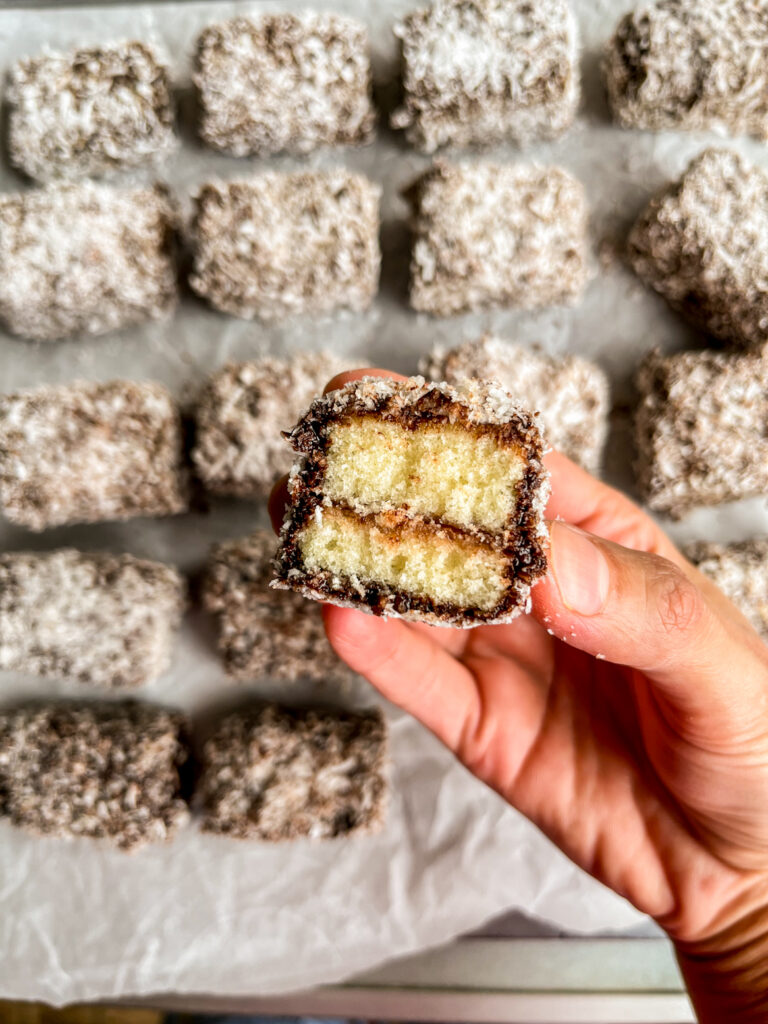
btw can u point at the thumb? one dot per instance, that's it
(640, 610)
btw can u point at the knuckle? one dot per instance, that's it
(678, 605)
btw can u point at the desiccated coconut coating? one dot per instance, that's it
(85, 259)
(88, 452)
(284, 82)
(480, 71)
(700, 429)
(88, 112)
(265, 633)
(741, 572)
(276, 774)
(492, 235)
(691, 64)
(703, 245)
(570, 394)
(106, 620)
(417, 501)
(280, 245)
(239, 449)
(102, 771)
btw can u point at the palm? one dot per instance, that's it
(560, 740)
(565, 738)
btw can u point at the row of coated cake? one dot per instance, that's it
(88, 258)
(123, 773)
(91, 452)
(94, 452)
(472, 73)
(113, 451)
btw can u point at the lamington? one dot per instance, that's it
(105, 620)
(284, 82)
(85, 259)
(477, 72)
(239, 450)
(89, 112)
(570, 394)
(497, 235)
(264, 633)
(416, 500)
(700, 429)
(703, 246)
(90, 452)
(741, 572)
(280, 245)
(104, 771)
(691, 64)
(275, 774)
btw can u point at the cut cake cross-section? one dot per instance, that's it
(417, 500)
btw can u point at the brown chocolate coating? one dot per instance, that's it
(284, 82)
(103, 771)
(264, 633)
(282, 245)
(103, 620)
(85, 259)
(89, 452)
(278, 774)
(700, 429)
(703, 245)
(691, 64)
(89, 112)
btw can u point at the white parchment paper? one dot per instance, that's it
(205, 915)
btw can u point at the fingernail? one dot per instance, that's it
(580, 569)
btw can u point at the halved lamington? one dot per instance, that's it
(238, 448)
(89, 452)
(103, 771)
(280, 245)
(284, 82)
(85, 259)
(741, 572)
(94, 110)
(703, 245)
(497, 235)
(700, 429)
(100, 619)
(482, 71)
(275, 773)
(417, 500)
(264, 633)
(691, 64)
(570, 394)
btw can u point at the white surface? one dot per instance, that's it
(203, 915)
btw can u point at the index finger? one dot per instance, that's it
(596, 508)
(582, 500)
(349, 375)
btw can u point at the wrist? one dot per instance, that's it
(726, 971)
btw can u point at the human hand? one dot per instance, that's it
(626, 717)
